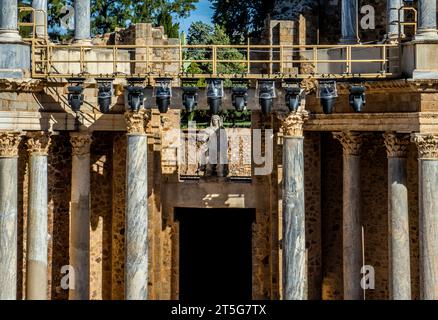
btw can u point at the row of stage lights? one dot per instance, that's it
(266, 93)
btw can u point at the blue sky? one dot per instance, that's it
(202, 13)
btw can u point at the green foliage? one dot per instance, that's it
(201, 33)
(106, 15)
(241, 18)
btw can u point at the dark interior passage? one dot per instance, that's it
(215, 254)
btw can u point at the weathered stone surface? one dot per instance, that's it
(352, 231)
(82, 20)
(398, 211)
(136, 260)
(80, 215)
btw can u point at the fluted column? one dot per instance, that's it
(9, 143)
(136, 216)
(82, 21)
(351, 220)
(40, 17)
(393, 7)
(9, 21)
(349, 21)
(294, 232)
(398, 217)
(80, 215)
(36, 275)
(427, 25)
(428, 194)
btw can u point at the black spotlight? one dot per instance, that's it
(357, 97)
(105, 93)
(76, 93)
(215, 92)
(293, 98)
(75, 97)
(266, 93)
(163, 93)
(135, 97)
(240, 98)
(327, 95)
(190, 98)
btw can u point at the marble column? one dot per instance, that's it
(82, 21)
(427, 145)
(349, 22)
(9, 21)
(427, 24)
(294, 232)
(80, 215)
(398, 217)
(9, 143)
(36, 267)
(136, 215)
(351, 218)
(392, 14)
(40, 17)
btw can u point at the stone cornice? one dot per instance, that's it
(292, 123)
(137, 121)
(38, 143)
(427, 145)
(9, 144)
(81, 142)
(351, 142)
(396, 145)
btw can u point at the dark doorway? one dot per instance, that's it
(215, 254)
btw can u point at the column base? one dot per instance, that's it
(83, 42)
(10, 36)
(426, 34)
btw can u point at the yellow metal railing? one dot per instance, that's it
(225, 61)
(402, 24)
(34, 27)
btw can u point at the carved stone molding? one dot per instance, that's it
(292, 123)
(38, 143)
(81, 142)
(9, 143)
(427, 145)
(137, 121)
(351, 142)
(396, 144)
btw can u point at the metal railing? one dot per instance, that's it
(32, 24)
(205, 61)
(225, 61)
(402, 23)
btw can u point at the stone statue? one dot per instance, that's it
(214, 149)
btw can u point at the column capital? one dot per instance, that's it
(396, 144)
(292, 123)
(351, 142)
(137, 122)
(427, 145)
(9, 143)
(81, 142)
(38, 143)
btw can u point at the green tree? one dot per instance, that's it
(106, 15)
(201, 33)
(241, 18)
